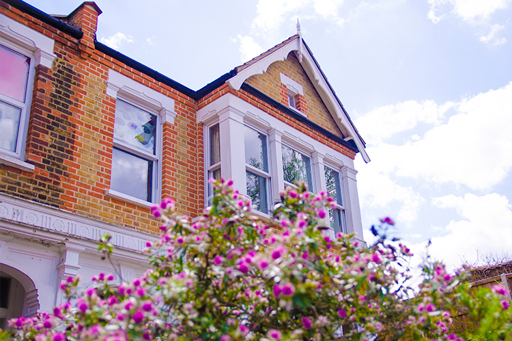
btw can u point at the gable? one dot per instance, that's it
(311, 105)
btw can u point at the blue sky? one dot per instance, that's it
(427, 82)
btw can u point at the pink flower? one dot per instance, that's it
(505, 304)
(274, 334)
(243, 268)
(499, 289)
(430, 308)
(306, 323)
(82, 305)
(362, 298)
(138, 317)
(263, 264)
(146, 336)
(225, 338)
(47, 324)
(70, 279)
(276, 254)
(287, 289)
(387, 220)
(376, 258)
(342, 313)
(58, 337)
(230, 182)
(277, 290)
(110, 277)
(321, 214)
(243, 329)
(147, 306)
(218, 260)
(293, 194)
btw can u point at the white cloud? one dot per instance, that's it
(472, 148)
(491, 38)
(117, 40)
(384, 122)
(484, 227)
(248, 48)
(468, 10)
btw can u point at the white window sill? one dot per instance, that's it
(17, 163)
(298, 111)
(128, 198)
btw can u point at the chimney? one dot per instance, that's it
(85, 18)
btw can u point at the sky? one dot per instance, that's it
(428, 84)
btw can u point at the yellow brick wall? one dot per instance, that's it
(269, 83)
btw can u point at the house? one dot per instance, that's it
(90, 139)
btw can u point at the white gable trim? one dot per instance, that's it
(317, 79)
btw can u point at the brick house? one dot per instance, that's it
(90, 139)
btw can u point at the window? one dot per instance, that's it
(214, 159)
(292, 101)
(257, 170)
(336, 214)
(134, 157)
(15, 72)
(296, 167)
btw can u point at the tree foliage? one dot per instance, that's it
(232, 276)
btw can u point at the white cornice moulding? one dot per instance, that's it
(127, 87)
(66, 224)
(40, 45)
(292, 85)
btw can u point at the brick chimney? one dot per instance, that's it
(85, 18)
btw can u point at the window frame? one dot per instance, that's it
(267, 175)
(154, 181)
(210, 168)
(311, 181)
(16, 158)
(337, 206)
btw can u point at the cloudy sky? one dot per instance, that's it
(427, 82)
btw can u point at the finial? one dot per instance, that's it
(300, 41)
(298, 27)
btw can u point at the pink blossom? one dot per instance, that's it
(243, 268)
(58, 337)
(47, 324)
(306, 323)
(321, 214)
(499, 289)
(218, 260)
(362, 297)
(376, 258)
(342, 313)
(274, 334)
(263, 264)
(82, 305)
(277, 290)
(147, 306)
(287, 289)
(146, 336)
(505, 304)
(293, 194)
(243, 329)
(430, 308)
(138, 317)
(70, 279)
(276, 254)
(110, 277)
(387, 220)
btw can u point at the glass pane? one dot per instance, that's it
(257, 191)
(216, 175)
(9, 126)
(332, 179)
(214, 145)
(131, 175)
(135, 126)
(336, 219)
(256, 149)
(291, 101)
(14, 68)
(296, 167)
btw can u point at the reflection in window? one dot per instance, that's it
(9, 126)
(296, 167)
(133, 156)
(337, 213)
(257, 191)
(256, 163)
(214, 165)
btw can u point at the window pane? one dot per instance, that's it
(256, 149)
(135, 127)
(296, 167)
(14, 68)
(336, 219)
(216, 175)
(214, 145)
(332, 179)
(9, 126)
(131, 175)
(257, 191)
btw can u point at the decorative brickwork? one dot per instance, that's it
(310, 104)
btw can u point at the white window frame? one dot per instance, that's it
(300, 150)
(39, 48)
(145, 98)
(337, 206)
(267, 175)
(210, 168)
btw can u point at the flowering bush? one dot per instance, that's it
(231, 276)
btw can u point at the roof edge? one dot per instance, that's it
(46, 18)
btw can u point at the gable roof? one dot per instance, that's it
(296, 44)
